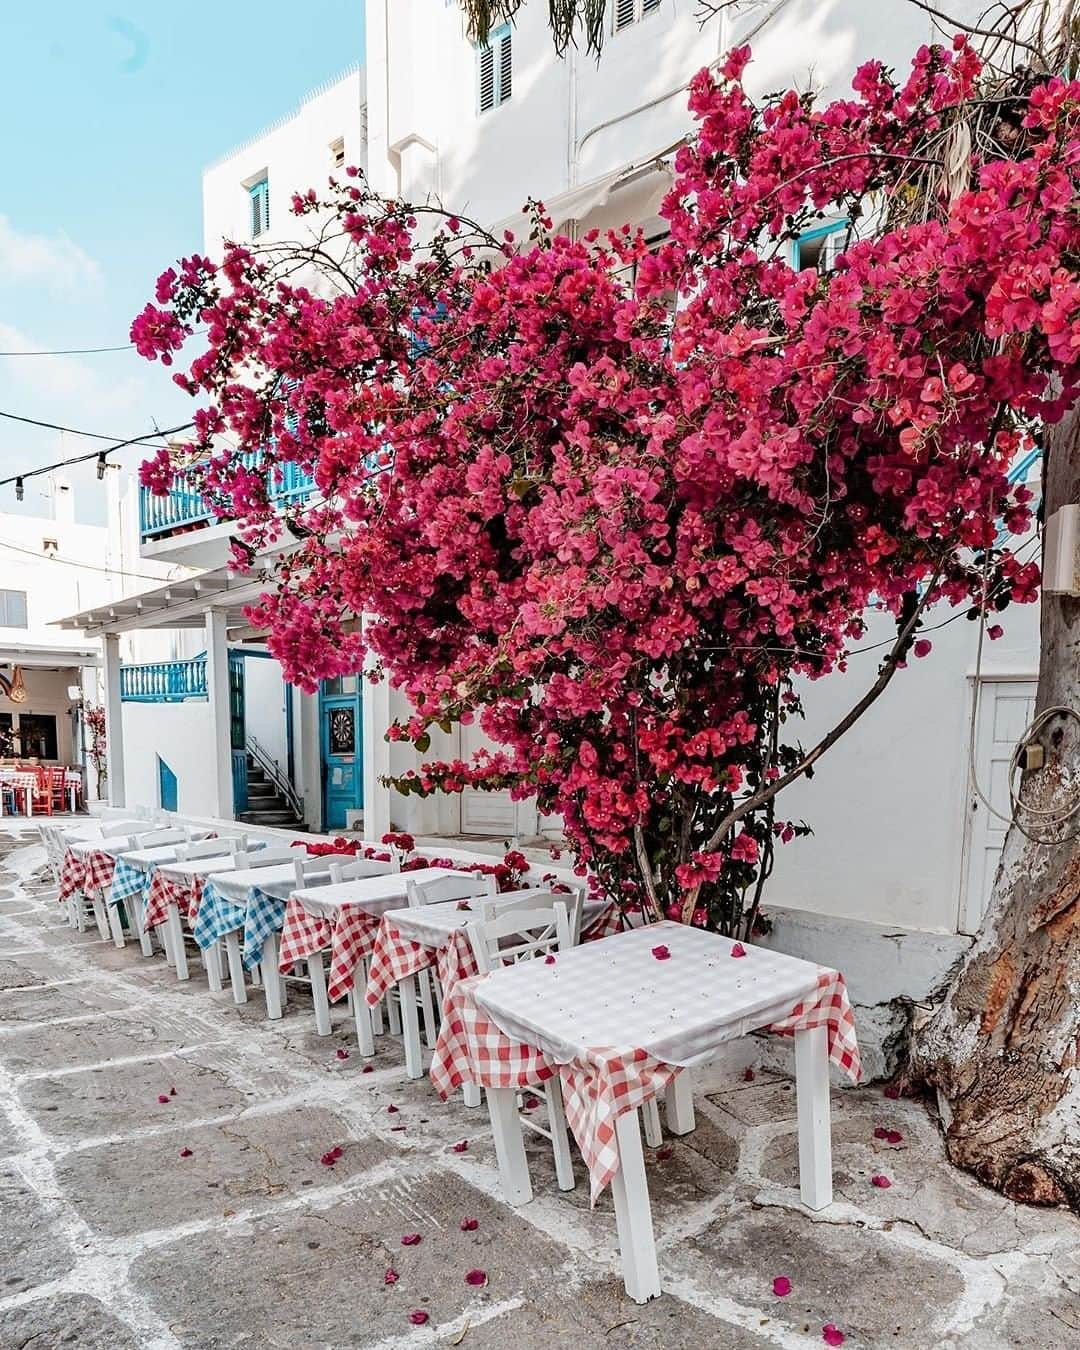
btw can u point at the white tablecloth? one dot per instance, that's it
(431, 925)
(374, 895)
(616, 993)
(279, 882)
(164, 853)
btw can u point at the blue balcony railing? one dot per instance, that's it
(163, 681)
(185, 507)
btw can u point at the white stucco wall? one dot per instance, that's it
(181, 734)
(264, 706)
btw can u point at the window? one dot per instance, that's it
(630, 11)
(8, 745)
(259, 195)
(495, 69)
(13, 609)
(37, 732)
(337, 153)
(817, 249)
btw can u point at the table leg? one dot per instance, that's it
(410, 1027)
(272, 981)
(509, 1146)
(365, 1036)
(317, 976)
(650, 1123)
(470, 1094)
(115, 926)
(560, 1138)
(679, 1103)
(101, 916)
(236, 966)
(431, 1027)
(213, 967)
(393, 1012)
(815, 1123)
(633, 1213)
(375, 1013)
(175, 929)
(139, 928)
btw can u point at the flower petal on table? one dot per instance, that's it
(662, 953)
(737, 949)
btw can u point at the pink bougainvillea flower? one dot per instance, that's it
(549, 960)
(411, 1239)
(781, 1286)
(185, 1153)
(391, 1276)
(748, 1075)
(663, 1154)
(662, 953)
(163, 1099)
(461, 1146)
(923, 647)
(995, 631)
(468, 1225)
(881, 1182)
(832, 1335)
(477, 1278)
(418, 1317)
(342, 1053)
(737, 949)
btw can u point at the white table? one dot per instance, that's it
(372, 895)
(185, 874)
(616, 993)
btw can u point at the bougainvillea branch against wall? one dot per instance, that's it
(615, 504)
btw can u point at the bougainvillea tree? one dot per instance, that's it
(614, 504)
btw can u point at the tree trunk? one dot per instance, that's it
(1002, 1053)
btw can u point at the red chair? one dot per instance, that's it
(42, 794)
(57, 789)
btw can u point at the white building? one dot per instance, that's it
(902, 858)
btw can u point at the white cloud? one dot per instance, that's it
(56, 262)
(88, 395)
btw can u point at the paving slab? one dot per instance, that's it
(31, 968)
(44, 1003)
(64, 1320)
(318, 1278)
(244, 1162)
(32, 1250)
(855, 1278)
(121, 1098)
(37, 1049)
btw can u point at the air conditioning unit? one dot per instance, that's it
(1061, 551)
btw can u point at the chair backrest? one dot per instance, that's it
(539, 897)
(159, 837)
(519, 935)
(265, 857)
(115, 827)
(455, 886)
(211, 848)
(340, 870)
(308, 865)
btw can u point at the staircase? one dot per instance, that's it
(266, 805)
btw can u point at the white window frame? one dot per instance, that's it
(500, 47)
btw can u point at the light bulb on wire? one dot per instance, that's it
(102, 465)
(19, 493)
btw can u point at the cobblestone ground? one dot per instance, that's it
(208, 1220)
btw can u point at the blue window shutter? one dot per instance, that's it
(495, 69)
(259, 194)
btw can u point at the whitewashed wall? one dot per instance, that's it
(180, 733)
(264, 706)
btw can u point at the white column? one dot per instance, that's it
(114, 720)
(217, 689)
(375, 717)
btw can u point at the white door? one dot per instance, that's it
(484, 813)
(1006, 708)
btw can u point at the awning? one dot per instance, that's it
(34, 656)
(632, 193)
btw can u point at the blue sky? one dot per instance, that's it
(110, 112)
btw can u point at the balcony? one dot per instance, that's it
(182, 527)
(163, 681)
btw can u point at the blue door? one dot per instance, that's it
(342, 749)
(168, 788)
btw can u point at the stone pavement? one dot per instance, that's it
(209, 1220)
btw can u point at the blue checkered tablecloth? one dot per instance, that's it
(127, 883)
(258, 918)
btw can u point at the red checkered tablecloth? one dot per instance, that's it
(72, 875)
(394, 957)
(166, 891)
(600, 1084)
(99, 870)
(350, 936)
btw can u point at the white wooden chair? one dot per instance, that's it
(439, 891)
(154, 839)
(173, 936)
(270, 856)
(522, 932)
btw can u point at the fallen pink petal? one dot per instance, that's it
(342, 1053)
(419, 1317)
(172, 1092)
(461, 1146)
(368, 1068)
(469, 1225)
(530, 1102)
(661, 953)
(892, 1092)
(781, 1286)
(477, 1278)
(411, 1240)
(163, 1099)
(549, 960)
(737, 949)
(881, 1182)
(663, 1154)
(832, 1335)
(391, 1110)
(391, 1276)
(185, 1153)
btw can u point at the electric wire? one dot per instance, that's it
(148, 436)
(53, 558)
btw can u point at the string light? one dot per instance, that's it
(18, 479)
(19, 492)
(102, 465)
